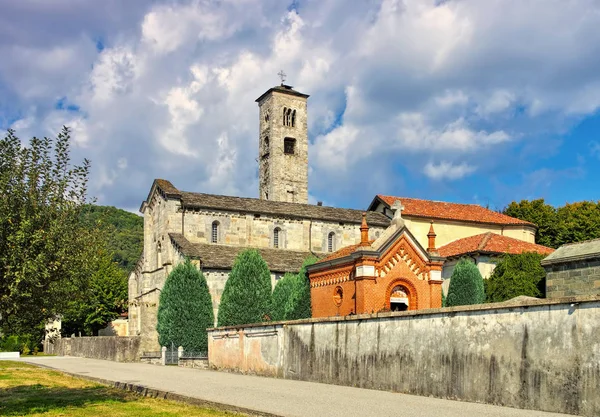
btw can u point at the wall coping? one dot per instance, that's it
(505, 305)
(548, 263)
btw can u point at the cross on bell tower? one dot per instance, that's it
(282, 76)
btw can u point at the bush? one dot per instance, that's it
(281, 296)
(516, 275)
(185, 310)
(247, 294)
(466, 285)
(298, 305)
(18, 343)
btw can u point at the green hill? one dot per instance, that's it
(125, 232)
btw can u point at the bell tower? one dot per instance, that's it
(283, 145)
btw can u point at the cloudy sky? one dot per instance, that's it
(459, 100)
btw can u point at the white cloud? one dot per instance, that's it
(394, 85)
(447, 171)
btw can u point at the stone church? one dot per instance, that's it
(212, 229)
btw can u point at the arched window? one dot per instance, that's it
(284, 120)
(214, 238)
(276, 237)
(294, 118)
(330, 242)
(158, 255)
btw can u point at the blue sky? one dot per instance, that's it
(462, 100)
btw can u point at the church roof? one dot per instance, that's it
(222, 256)
(275, 208)
(346, 250)
(285, 89)
(429, 209)
(490, 243)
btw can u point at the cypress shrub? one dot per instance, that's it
(516, 275)
(298, 303)
(185, 309)
(247, 294)
(466, 285)
(281, 296)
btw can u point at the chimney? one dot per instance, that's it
(319, 203)
(364, 231)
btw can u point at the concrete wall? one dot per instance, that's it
(573, 278)
(112, 348)
(541, 354)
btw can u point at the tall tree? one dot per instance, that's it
(298, 305)
(516, 275)
(579, 221)
(185, 309)
(247, 294)
(281, 295)
(466, 285)
(101, 301)
(43, 246)
(541, 214)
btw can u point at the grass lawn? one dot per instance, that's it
(26, 390)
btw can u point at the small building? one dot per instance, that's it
(391, 273)
(573, 269)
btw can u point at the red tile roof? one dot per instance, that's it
(345, 251)
(429, 209)
(491, 243)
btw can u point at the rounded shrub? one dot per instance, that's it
(466, 285)
(185, 309)
(247, 294)
(516, 275)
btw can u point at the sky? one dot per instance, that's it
(470, 101)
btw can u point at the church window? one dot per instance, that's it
(338, 296)
(294, 118)
(330, 242)
(215, 232)
(289, 146)
(266, 146)
(284, 121)
(276, 236)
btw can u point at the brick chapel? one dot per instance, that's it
(397, 254)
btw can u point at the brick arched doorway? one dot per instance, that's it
(401, 295)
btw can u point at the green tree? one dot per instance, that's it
(247, 294)
(466, 285)
(281, 296)
(101, 301)
(578, 222)
(516, 275)
(185, 309)
(298, 304)
(541, 214)
(43, 246)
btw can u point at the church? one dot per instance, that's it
(396, 254)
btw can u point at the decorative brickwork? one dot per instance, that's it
(397, 277)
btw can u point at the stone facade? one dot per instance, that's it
(283, 145)
(573, 269)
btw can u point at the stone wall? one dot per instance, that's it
(112, 348)
(541, 354)
(573, 278)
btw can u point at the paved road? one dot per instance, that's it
(278, 396)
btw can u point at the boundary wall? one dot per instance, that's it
(535, 354)
(112, 348)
